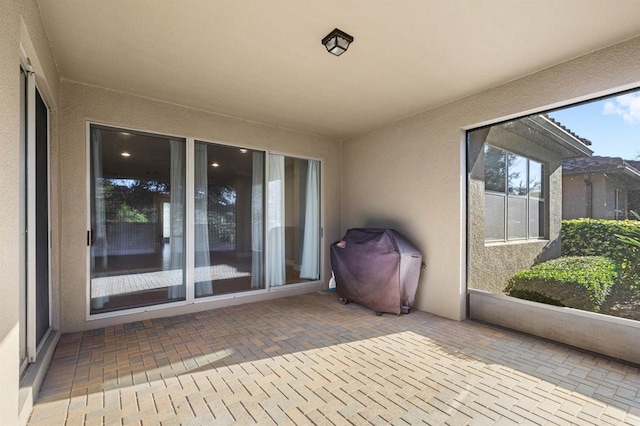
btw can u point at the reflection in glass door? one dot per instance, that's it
(228, 219)
(293, 226)
(137, 219)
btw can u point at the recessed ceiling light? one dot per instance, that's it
(242, 150)
(215, 165)
(125, 154)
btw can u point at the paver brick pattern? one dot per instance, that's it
(309, 360)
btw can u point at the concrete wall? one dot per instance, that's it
(612, 336)
(82, 103)
(20, 24)
(410, 174)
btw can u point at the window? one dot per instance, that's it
(177, 219)
(514, 196)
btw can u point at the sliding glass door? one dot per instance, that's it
(228, 218)
(175, 219)
(293, 228)
(137, 237)
(35, 312)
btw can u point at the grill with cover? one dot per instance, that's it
(377, 268)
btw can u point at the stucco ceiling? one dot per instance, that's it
(263, 60)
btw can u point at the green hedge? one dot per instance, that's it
(599, 237)
(576, 282)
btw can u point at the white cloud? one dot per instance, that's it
(626, 106)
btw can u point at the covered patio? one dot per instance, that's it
(174, 174)
(309, 360)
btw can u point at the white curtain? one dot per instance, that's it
(99, 247)
(275, 221)
(310, 265)
(257, 216)
(176, 240)
(201, 235)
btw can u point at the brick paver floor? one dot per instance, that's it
(309, 360)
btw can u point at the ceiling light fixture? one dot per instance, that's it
(125, 154)
(242, 150)
(337, 42)
(215, 165)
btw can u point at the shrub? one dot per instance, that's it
(576, 282)
(610, 238)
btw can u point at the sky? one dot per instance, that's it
(612, 125)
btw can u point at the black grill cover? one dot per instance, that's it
(377, 268)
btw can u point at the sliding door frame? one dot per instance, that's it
(190, 229)
(33, 346)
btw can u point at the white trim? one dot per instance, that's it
(87, 243)
(22, 307)
(291, 286)
(49, 230)
(31, 218)
(189, 193)
(265, 219)
(463, 242)
(228, 296)
(136, 310)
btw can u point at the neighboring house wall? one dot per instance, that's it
(491, 264)
(599, 187)
(633, 203)
(575, 197)
(82, 103)
(411, 174)
(602, 192)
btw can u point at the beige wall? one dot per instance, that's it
(9, 212)
(603, 187)
(19, 25)
(574, 197)
(82, 103)
(410, 174)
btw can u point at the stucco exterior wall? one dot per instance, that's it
(9, 208)
(20, 24)
(574, 197)
(411, 175)
(491, 264)
(82, 103)
(610, 185)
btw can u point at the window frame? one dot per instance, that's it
(507, 197)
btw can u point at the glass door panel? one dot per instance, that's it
(293, 226)
(42, 218)
(228, 219)
(138, 184)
